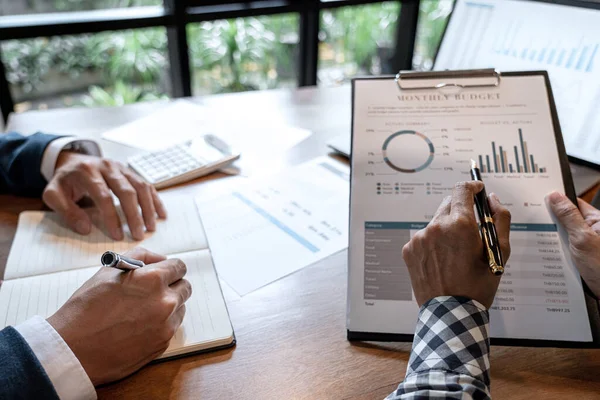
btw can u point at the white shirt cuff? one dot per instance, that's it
(61, 365)
(65, 143)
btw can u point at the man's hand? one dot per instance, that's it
(583, 227)
(79, 175)
(447, 259)
(119, 321)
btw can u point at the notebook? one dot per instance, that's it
(48, 263)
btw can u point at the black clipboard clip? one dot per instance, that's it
(411, 80)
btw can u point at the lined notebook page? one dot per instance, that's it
(206, 323)
(43, 244)
(21, 299)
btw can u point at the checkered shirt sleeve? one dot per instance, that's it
(450, 353)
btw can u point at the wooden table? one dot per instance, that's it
(291, 334)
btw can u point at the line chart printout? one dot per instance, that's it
(261, 230)
(409, 149)
(512, 35)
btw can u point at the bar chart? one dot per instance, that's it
(499, 162)
(531, 36)
(579, 55)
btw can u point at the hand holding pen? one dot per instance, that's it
(447, 257)
(119, 321)
(124, 263)
(489, 236)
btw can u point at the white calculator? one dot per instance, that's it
(183, 162)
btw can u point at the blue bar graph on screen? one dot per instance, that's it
(560, 57)
(542, 54)
(591, 62)
(582, 58)
(551, 56)
(571, 58)
(531, 55)
(578, 56)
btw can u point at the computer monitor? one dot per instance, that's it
(563, 39)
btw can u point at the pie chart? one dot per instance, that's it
(408, 151)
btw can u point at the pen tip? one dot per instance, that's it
(473, 164)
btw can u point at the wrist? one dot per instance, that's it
(62, 326)
(64, 157)
(465, 300)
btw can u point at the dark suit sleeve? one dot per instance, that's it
(21, 374)
(20, 163)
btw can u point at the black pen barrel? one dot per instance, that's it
(488, 229)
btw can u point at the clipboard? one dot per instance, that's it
(457, 81)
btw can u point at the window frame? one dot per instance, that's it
(175, 15)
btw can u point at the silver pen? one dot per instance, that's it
(114, 260)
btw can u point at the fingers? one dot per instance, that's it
(128, 197)
(171, 270)
(581, 235)
(177, 318)
(588, 211)
(443, 209)
(101, 195)
(463, 198)
(158, 204)
(75, 218)
(502, 220)
(145, 197)
(182, 289)
(566, 212)
(148, 257)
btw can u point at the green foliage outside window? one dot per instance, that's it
(44, 6)
(354, 34)
(137, 59)
(114, 68)
(433, 16)
(242, 54)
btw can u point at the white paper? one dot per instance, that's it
(409, 149)
(262, 231)
(44, 244)
(518, 35)
(256, 139)
(176, 123)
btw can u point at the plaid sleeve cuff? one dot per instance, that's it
(452, 334)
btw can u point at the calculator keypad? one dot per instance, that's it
(165, 164)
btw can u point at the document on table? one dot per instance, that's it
(43, 243)
(48, 263)
(257, 139)
(264, 230)
(176, 123)
(409, 149)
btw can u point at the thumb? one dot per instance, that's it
(565, 211)
(67, 209)
(570, 218)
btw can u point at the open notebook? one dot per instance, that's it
(48, 262)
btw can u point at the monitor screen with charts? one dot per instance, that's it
(533, 35)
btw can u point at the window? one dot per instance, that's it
(356, 40)
(243, 54)
(104, 69)
(54, 56)
(18, 7)
(433, 17)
